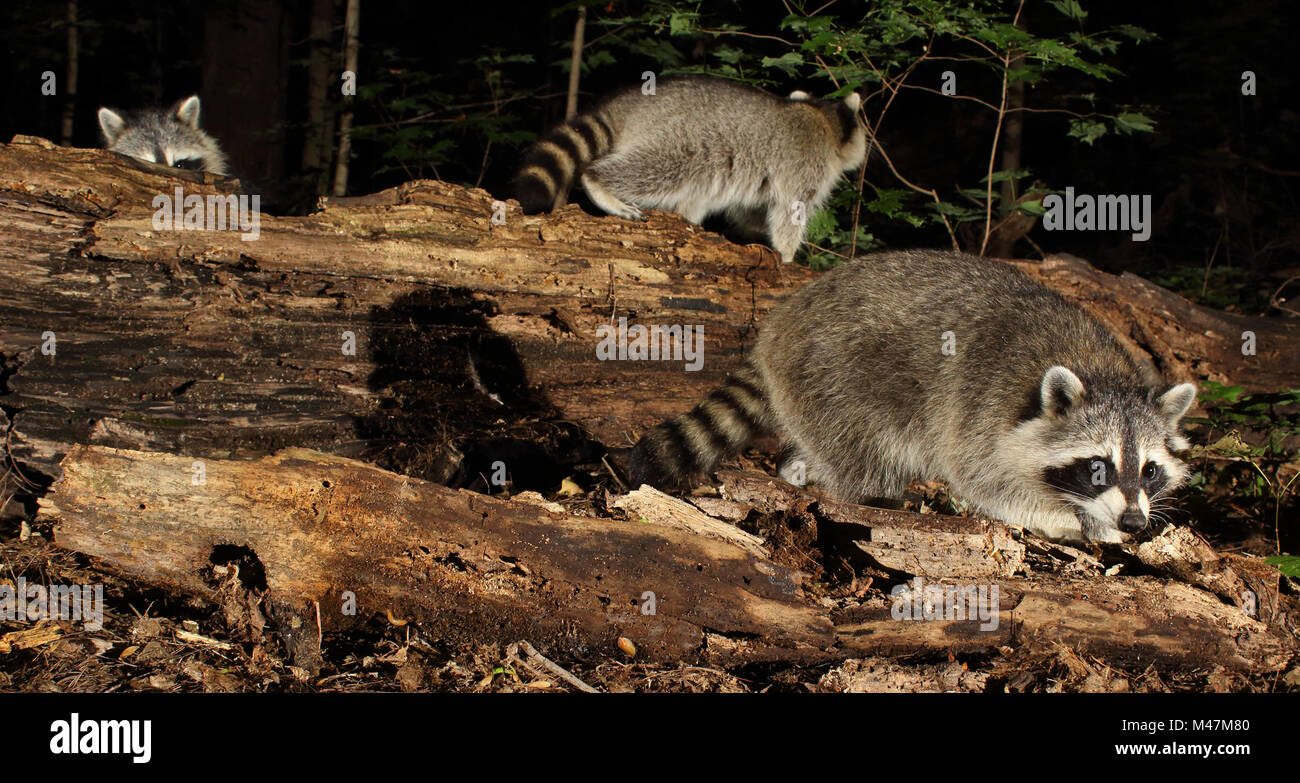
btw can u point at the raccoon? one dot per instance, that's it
(170, 137)
(934, 365)
(701, 146)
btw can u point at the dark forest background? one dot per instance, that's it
(455, 91)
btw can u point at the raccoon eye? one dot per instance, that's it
(190, 164)
(1150, 471)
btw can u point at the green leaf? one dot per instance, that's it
(788, 63)
(1087, 130)
(682, 23)
(1287, 564)
(1131, 121)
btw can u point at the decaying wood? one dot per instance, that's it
(467, 566)
(470, 567)
(1182, 340)
(649, 503)
(907, 542)
(1144, 618)
(200, 343)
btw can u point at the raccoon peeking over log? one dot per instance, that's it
(700, 146)
(934, 365)
(168, 137)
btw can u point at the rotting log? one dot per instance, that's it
(1066, 598)
(470, 567)
(467, 566)
(1182, 340)
(200, 342)
(387, 322)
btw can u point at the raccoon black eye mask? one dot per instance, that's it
(935, 365)
(700, 146)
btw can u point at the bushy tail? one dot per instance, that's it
(551, 165)
(719, 427)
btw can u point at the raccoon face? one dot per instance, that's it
(170, 138)
(1110, 454)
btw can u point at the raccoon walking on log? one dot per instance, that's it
(935, 365)
(700, 146)
(169, 137)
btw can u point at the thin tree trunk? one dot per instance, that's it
(316, 142)
(351, 35)
(1004, 243)
(70, 80)
(575, 64)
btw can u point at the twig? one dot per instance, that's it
(536, 659)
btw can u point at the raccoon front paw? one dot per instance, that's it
(629, 212)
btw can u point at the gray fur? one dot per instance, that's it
(1037, 402)
(701, 146)
(169, 137)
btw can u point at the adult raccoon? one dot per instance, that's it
(170, 137)
(700, 146)
(1036, 416)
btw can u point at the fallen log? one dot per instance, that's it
(1181, 340)
(330, 330)
(1067, 598)
(326, 543)
(398, 325)
(336, 542)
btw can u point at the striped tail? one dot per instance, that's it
(551, 165)
(719, 427)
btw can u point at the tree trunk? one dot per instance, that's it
(316, 140)
(575, 65)
(245, 68)
(351, 43)
(70, 79)
(1013, 131)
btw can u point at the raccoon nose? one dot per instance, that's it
(1133, 521)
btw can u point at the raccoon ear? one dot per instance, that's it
(853, 101)
(187, 111)
(1175, 402)
(800, 95)
(1060, 391)
(110, 124)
